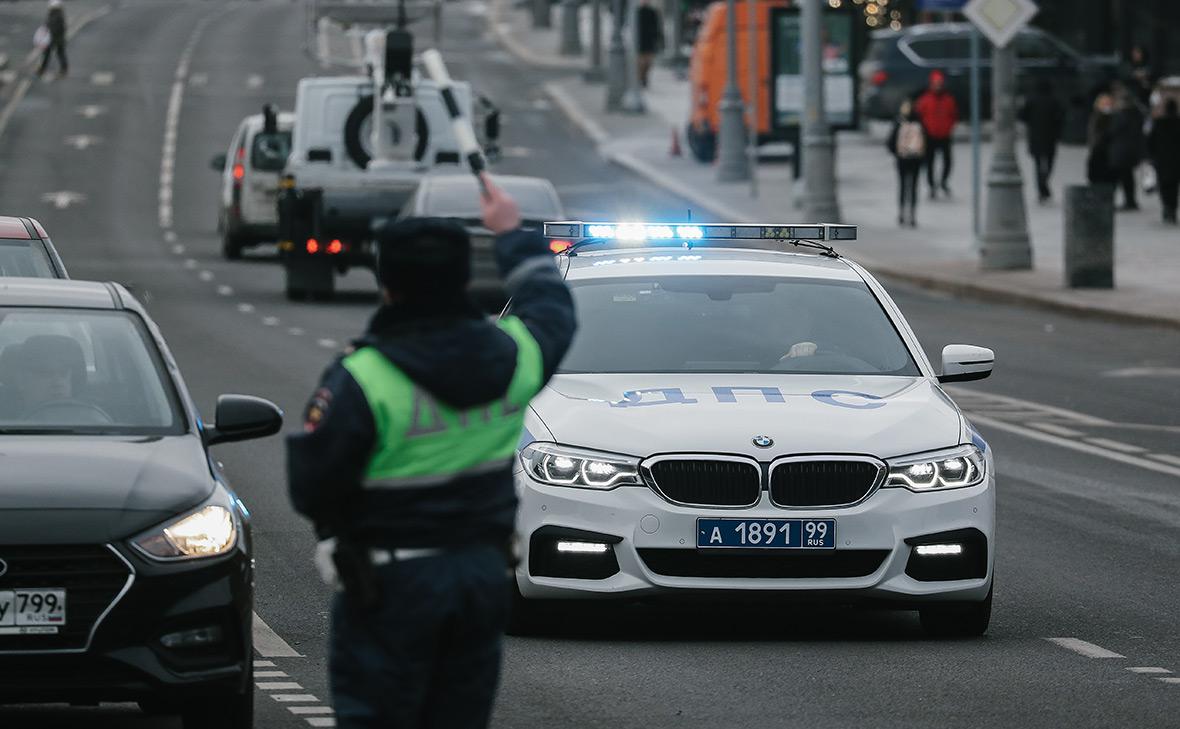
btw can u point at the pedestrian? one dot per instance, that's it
(939, 113)
(404, 466)
(1098, 169)
(1164, 147)
(650, 39)
(1127, 144)
(1044, 117)
(907, 143)
(55, 23)
(1142, 73)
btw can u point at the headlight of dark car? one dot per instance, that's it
(209, 531)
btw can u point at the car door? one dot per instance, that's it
(265, 159)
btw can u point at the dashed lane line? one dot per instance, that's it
(1169, 679)
(305, 710)
(278, 685)
(1166, 458)
(1115, 445)
(321, 721)
(269, 674)
(1148, 669)
(1085, 648)
(294, 698)
(268, 644)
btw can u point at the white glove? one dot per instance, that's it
(802, 349)
(325, 565)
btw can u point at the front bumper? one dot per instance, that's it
(654, 545)
(124, 659)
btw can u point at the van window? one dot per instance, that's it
(269, 151)
(937, 50)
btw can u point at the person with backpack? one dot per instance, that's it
(908, 143)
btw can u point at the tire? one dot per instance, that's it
(702, 143)
(234, 711)
(355, 147)
(231, 247)
(958, 620)
(309, 278)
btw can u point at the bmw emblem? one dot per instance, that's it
(763, 441)
(3, 567)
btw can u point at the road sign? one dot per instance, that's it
(1000, 20)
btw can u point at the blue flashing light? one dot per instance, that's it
(631, 231)
(662, 232)
(601, 231)
(690, 232)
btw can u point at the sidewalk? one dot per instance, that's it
(940, 254)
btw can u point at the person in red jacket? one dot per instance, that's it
(939, 114)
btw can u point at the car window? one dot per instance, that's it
(935, 50)
(1035, 47)
(82, 371)
(269, 152)
(733, 324)
(25, 258)
(461, 200)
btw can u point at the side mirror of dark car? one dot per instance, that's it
(243, 417)
(218, 162)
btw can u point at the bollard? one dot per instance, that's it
(541, 14)
(571, 36)
(1089, 236)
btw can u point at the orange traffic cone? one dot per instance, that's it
(675, 150)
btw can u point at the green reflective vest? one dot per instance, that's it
(423, 442)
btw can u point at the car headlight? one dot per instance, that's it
(559, 465)
(207, 532)
(950, 469)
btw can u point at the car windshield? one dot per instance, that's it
(460, 199)
(270, 151)
(680, 324)
(82, 371)
(26, 258)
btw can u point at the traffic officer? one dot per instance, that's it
(404, 466)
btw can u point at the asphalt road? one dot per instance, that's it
(1084, 417)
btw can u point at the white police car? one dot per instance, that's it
(736, 419)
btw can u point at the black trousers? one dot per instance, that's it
(428, 657)
(1169, 194)
(1127, 181)
(935, 147)
(58, 44)
(908, 171)
(1044, 159)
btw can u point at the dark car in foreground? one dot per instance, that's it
(25, 250)
(898, 63)
(456, 196)
(125, 556)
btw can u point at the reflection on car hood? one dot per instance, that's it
(646, 414)
(75, 489)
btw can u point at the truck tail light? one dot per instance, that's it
(335, 247)
(313, 245)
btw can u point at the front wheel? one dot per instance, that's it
(231, 246)
(233, 711)
(958, 619)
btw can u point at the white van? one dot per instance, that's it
(247, 213)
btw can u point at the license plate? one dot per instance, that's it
(767, 533)
(32, 612)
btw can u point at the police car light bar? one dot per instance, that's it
(577, 230)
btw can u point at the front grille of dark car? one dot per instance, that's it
(816, 482)
(92, 576)
(707, 482)
(737, 564)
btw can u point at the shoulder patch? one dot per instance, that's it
(317, 409)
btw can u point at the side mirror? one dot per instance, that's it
(218, 162)
(491, 126)
(965, 363)
(243, 417)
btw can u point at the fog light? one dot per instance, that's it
(582, 547)
(939, 550)
(193, 638)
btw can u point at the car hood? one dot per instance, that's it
(75, 489)
(642, 415)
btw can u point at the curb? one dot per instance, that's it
(519, 50)
(23, 85)
(982, 291)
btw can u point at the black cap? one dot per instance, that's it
(424, 258)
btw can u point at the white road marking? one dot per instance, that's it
(205, 275)
(278, 685)
(268, 644)
(328, 343)
(1143, 372)
(1076, 445)
(270, 321)
(102, 78)
(90, 111)
(245, 308)
(1175, 460)
(541, 104)
(321, 721)
(191, 263)
(270, 674)
(1057, 430)
(172, 123)
(293, 698)
(264, 664)
(1115, 445)
(1087, 649)
(254, 81)
(224, 290)
(517, 152)
(81, 142)
(7, 77)
(301, 710)
(1148, 669)
(1169, 679)
(198, 79)
(63, 198)
(178, 249)
(169, 236)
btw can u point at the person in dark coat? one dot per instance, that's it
(1098, 169)
(1142, 74)
(1164, 147)
(650, 39)
(55, 22)
(1127, 144)
(1044, 116)
(907, 143)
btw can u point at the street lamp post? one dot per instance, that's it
(616, 72)
(819, 145)
(571, 35)
(1005, 241)
(732, 163)
(595, 73)
(633, 95)
(541, 14)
